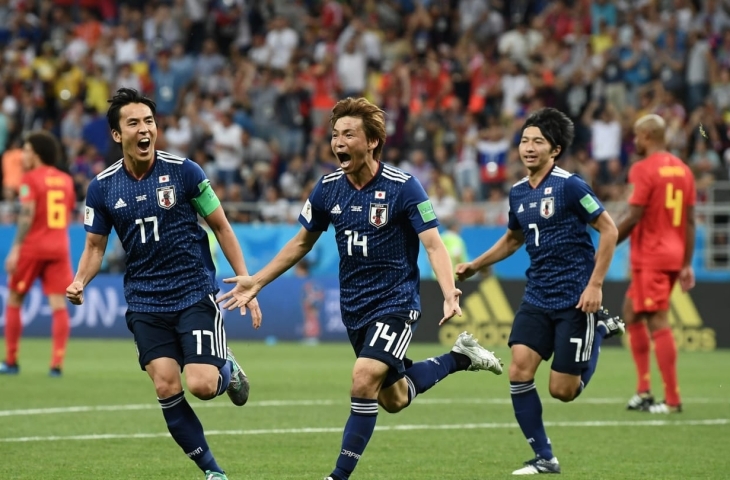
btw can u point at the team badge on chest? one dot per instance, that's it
(166, 197)
(547, 207)
(378, 216)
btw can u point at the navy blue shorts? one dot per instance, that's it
(386, 339)
(193, 335)
(566, 333)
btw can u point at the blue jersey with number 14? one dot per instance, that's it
(553, 218)
(376, 229)
(169, 265)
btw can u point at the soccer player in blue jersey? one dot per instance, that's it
(152, 199)
(379, 214)
(561, 314)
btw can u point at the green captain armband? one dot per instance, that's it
(207, 201)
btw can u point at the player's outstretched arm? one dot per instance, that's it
(247, 288)
(510, 242)
(223, 232)
(592, 297)
(22, 227)
(89, 266)
(438, 256)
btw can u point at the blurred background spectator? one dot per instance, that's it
(244, 88)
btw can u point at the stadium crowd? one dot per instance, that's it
(244, 88)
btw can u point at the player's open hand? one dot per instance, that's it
(464, 271)
(687, 279)
(241, 294)
(451, 306)
(256, 314)
(75, 293)
(591, 299)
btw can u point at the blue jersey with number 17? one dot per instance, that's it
(553, 218)
(376, 229)
(169, 265)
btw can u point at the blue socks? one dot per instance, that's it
(421, 376)
(358, 430)
(528, 412)
(586, 374)
(224, 378)
(187, 431)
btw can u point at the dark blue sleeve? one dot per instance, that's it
(314, 216)
(512, 222)
(581, 200)
(192, 176)
(96, 218)
(414, 201)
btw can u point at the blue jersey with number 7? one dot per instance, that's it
(554, 217)
(376, 229)
(169, 266)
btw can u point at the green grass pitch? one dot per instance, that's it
(101, 420)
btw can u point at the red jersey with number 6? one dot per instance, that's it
(665, 187)
(53, 193)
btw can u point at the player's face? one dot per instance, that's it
(137, 132)
(30, 159)
(535, 150)
(350, 145)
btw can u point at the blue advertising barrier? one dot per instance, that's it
(294, 309)
(261, 242)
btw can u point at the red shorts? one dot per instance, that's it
(650, 290)
(55, 274)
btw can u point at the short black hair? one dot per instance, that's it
(46, 146)
(125, 96)
(554, 125)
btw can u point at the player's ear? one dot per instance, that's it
(555, 151)
(373, 144)
(116, 136)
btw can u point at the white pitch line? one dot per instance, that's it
(392, 428)
(316, 403)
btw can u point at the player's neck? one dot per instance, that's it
(534, 177)
(363, 176)
(138, 168)
(652, 149)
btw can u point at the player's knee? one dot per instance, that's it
(393, 404)
(202, 387)
(564, 393)
(166, 389)
(520, 372)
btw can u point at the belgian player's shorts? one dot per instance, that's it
(567, 334)
(193, 335)
(385, 339)
(650, 290)
(55, 274)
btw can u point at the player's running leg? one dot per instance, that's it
(604, 326)
(164, 345)
(639, 343)
(531, 341)
(13, 331)
(466, 354)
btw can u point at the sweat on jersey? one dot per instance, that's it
(169, 265)
(553, 218)
(376, 229)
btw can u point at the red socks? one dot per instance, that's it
(640, 344)
(13, 329)
(60, 331)
(666, 356)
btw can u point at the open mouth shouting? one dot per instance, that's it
(344, 159)
(144, 146)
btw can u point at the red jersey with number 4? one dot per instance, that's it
(665, 187)
(53, 193)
